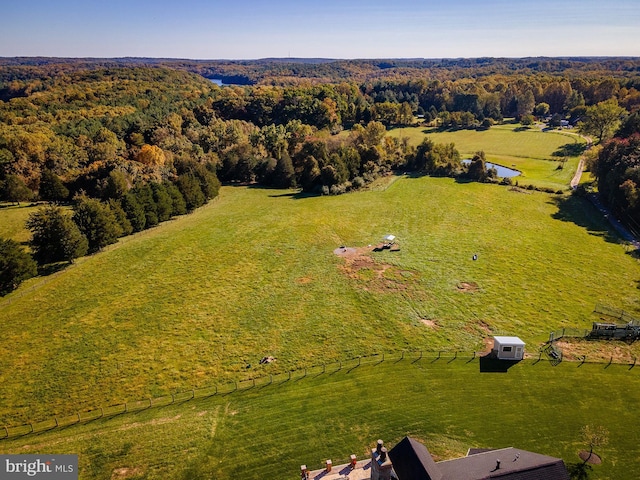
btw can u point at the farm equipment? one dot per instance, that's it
(628, 331)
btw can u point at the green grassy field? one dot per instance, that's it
(13, 219)
(269, 430)
(529, 151)
(198, 299)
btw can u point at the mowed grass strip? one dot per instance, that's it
(269, 430)
(201, 299)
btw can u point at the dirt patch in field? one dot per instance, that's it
(467, 287)
(615, 351)
(304, 280)
(125, 472)
(430, 323)
(373, 275)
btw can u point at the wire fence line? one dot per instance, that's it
(81, 417)
(616, 313)
(568, 332)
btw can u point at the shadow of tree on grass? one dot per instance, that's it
(570, 150)
(580, 211)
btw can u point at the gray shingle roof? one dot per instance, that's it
(412, 461)
(515, 464)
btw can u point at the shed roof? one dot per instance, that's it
(509, 340)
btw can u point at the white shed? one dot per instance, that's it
(508, 348)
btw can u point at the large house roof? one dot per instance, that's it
(515, 464)
(412, 461)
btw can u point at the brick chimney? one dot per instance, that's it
(381, 466)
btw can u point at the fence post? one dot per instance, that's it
(31, 425)
(56, 419)
(340, 362)
(6, 430)
(383, 357)
(126, 407)
(420, 355)
(173, 398)
(150, 403)
(324, 368)
(359, 358)
(402, 356)
(254, 382)
(78, 416)
(193, 393)
(456, 355)
(101, 412)
(438, 353)
(474, 355)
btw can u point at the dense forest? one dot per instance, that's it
(137, 141)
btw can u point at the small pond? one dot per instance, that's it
(503, 172)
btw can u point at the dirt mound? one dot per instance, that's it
(376, 276)
(467, 287)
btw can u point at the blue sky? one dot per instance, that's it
(200, 29)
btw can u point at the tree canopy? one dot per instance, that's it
(55, 237)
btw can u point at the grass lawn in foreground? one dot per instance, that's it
(269, 430)
(527, 150)
(201, 299)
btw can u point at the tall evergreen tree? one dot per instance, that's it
(16, 265)
(14, 190)
(179, 206)
(51, 187)
(97, 222)
(55, 236)
(134, 211)
(190, 188)
(164, 204)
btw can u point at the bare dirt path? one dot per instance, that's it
(576, 177)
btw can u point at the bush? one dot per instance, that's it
(358, 182)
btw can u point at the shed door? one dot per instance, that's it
(518, 352)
